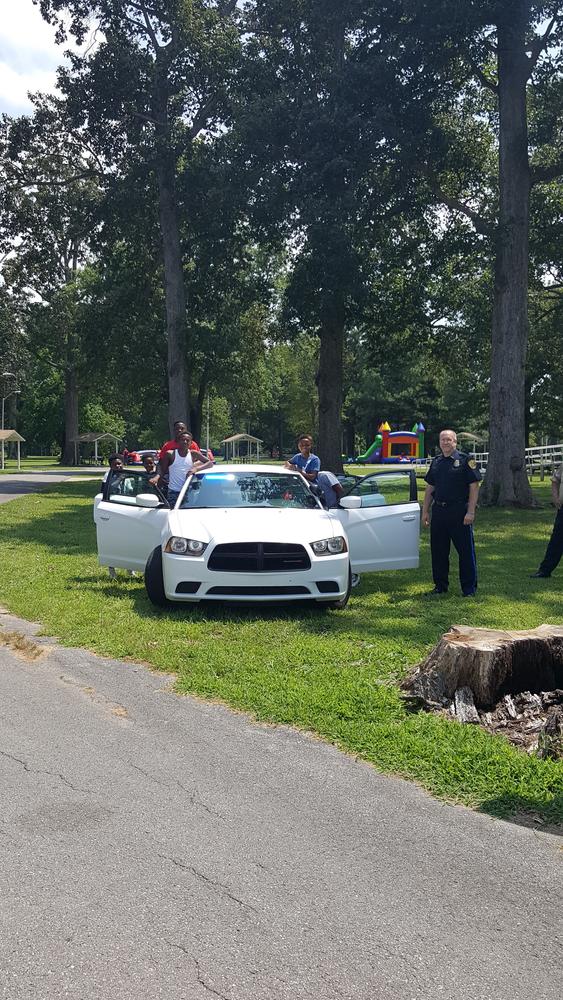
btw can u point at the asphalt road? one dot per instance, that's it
(17, 484)
(155, 846)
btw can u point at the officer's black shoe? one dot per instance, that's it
(539, 575)
(435, 593)
(470, 593)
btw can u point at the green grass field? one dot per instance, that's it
(333, 673)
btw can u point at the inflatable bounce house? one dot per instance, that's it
(395, 446)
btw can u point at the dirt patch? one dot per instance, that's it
(21, 645)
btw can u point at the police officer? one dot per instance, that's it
(554, 549)
(452, 490)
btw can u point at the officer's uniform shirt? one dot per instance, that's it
(451, 478)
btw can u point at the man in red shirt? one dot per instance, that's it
(179, 428)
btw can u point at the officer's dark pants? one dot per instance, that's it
(447, 526)
(554, 549)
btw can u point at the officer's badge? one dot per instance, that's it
(456, 463)
(472, 463)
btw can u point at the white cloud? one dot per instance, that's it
(29, 55)
(14, 87)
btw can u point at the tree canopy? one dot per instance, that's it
(296, 216)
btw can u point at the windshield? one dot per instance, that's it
(248, 489)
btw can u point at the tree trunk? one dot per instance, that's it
(196, 413)
(71, 417)
(488, 663)
(506, 482)
(329, 384)
(350, 438)
(174, 288)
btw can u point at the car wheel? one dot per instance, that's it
(154, 582)
(342, 601)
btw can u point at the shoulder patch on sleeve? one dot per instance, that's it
(472, 463)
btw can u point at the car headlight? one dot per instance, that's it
(329, 546)
(185, 546)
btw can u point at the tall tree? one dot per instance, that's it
(155, 82)
(320, 121)
(508, 48)
(49, 216)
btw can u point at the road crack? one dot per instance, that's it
(206, 986)
(209, 881)
(42, 770)
(200, 979)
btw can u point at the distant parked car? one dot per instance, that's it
(138, 456)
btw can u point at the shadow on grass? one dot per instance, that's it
(528, 811)
(69, 529)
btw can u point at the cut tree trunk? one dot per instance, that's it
(506, 481)
(490, 663)
(329, 384)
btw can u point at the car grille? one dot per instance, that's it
(257, 591)
(258, 557)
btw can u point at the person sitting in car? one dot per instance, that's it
(330, 487)
(149, 464)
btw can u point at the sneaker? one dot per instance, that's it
(355, 579)
(435, 593)
(112, 573)
(540, 575)
(132, 572)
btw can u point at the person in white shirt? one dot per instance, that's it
(179, 464)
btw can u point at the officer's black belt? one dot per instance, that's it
(449, 503)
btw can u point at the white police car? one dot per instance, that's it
(256, 533)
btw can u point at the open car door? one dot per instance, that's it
(381, 517)
(126, 532)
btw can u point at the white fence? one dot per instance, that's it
(542, 459)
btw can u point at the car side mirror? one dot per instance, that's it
(147, 500)
(351, 503)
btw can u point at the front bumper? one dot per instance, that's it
(188, 579)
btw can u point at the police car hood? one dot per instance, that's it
(253, 524)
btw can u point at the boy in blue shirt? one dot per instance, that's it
(305, 462)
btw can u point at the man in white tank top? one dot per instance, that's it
(178, 464)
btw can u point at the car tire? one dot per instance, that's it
(154, 582)
(341, 603)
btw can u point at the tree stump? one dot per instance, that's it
(491, 663)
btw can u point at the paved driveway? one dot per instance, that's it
(16, 485)
(156, 846)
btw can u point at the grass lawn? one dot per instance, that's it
(333, 673)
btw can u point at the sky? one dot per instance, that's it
(28, 55)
